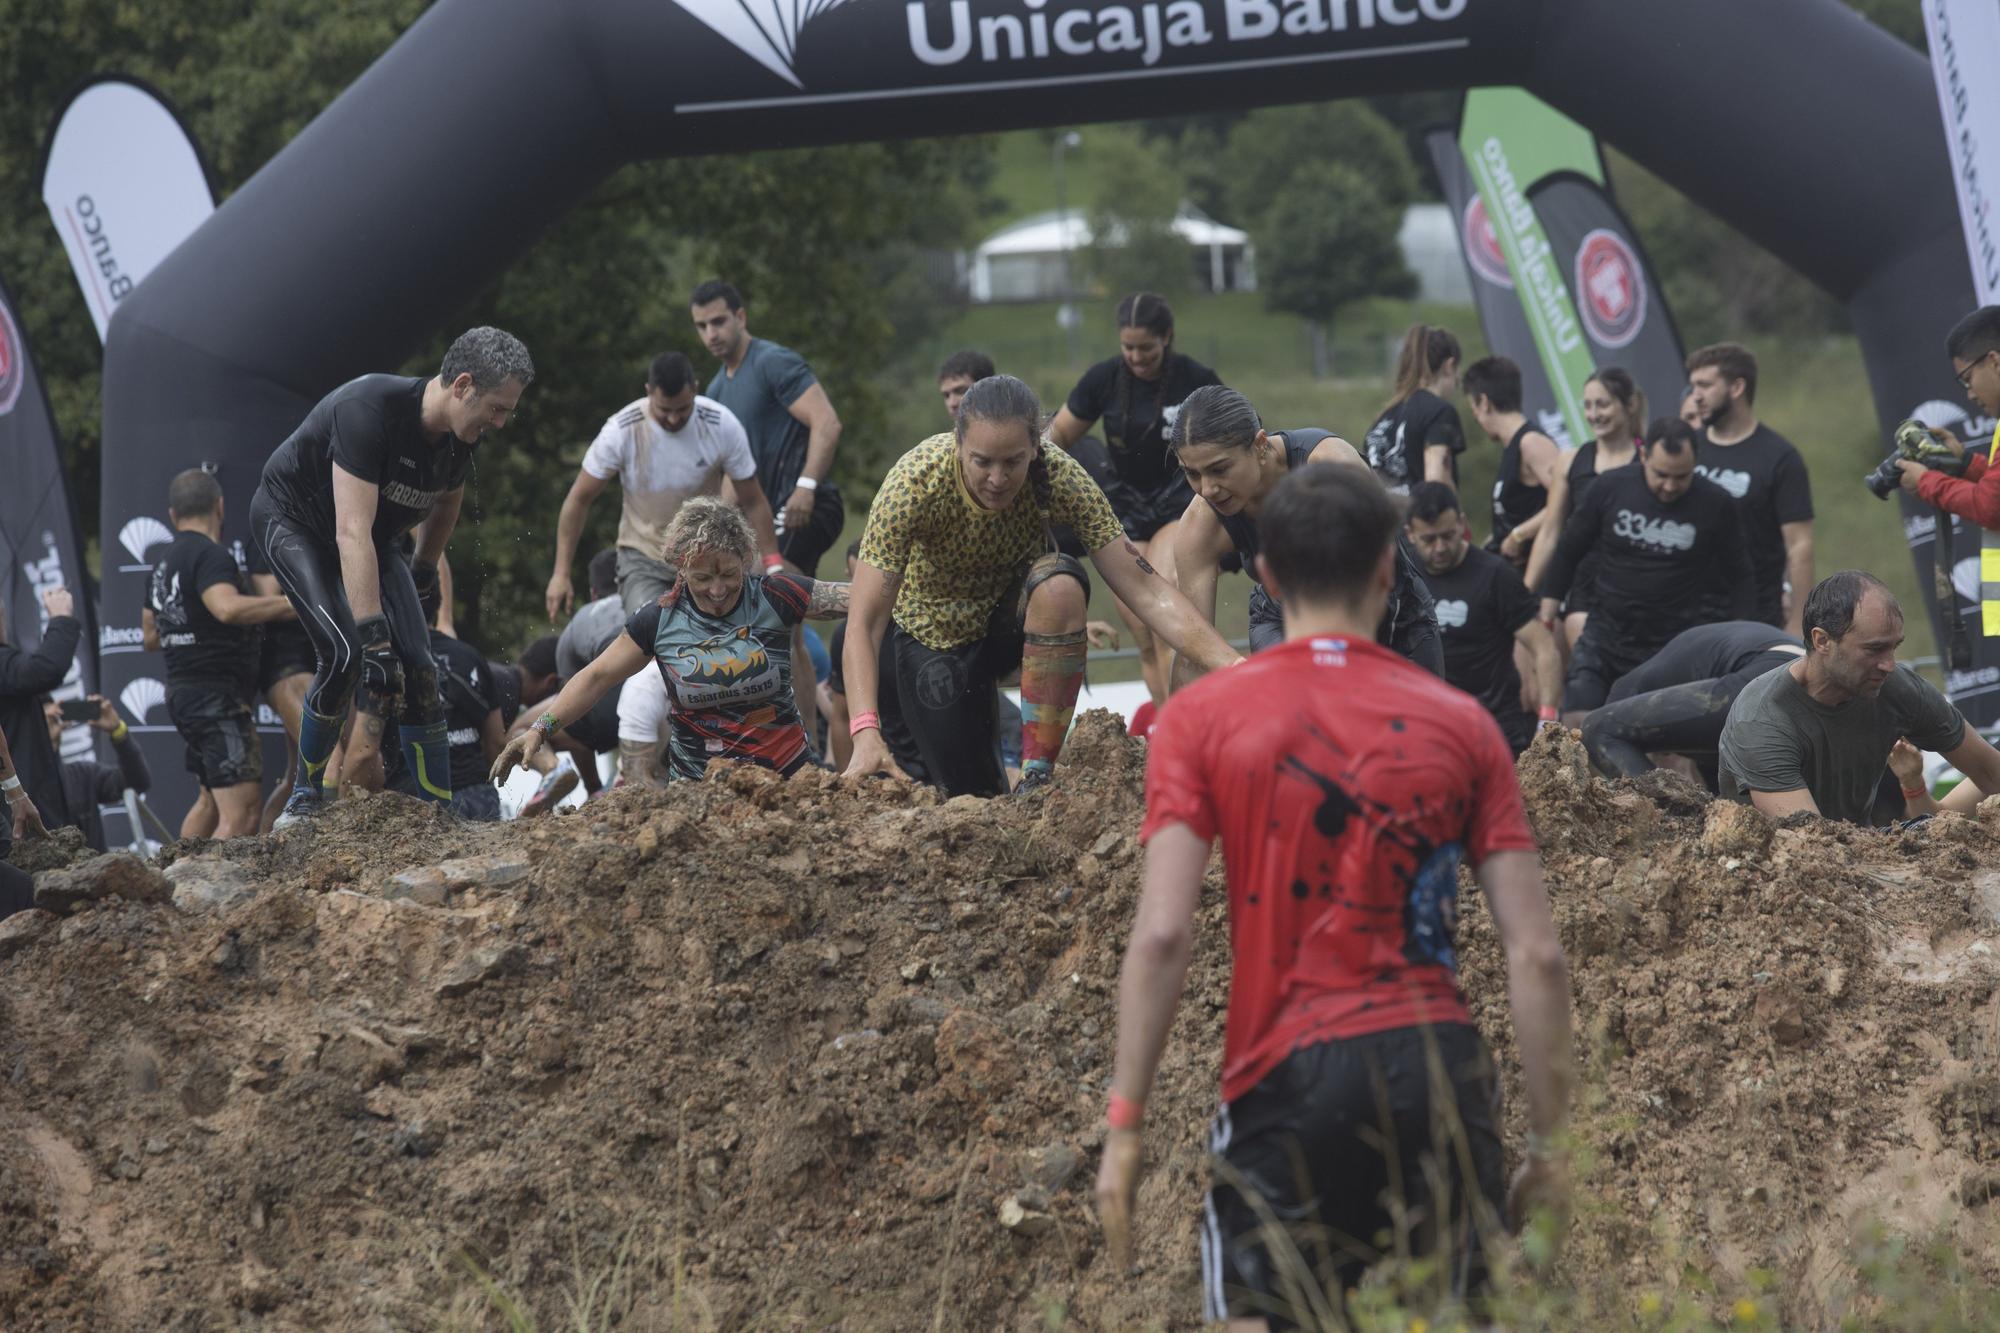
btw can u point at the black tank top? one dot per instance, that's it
(1583, 474)
(1514, 501)
(1410, 602)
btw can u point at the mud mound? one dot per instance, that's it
(802, 1055)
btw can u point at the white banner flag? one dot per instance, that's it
(124, 186)
(1965, 38)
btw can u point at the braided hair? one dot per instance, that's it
(1215, 414)
(1004, 399)
(1142, 310)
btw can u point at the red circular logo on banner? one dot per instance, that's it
(1482, 246)
(13, 361)
(1611, 294)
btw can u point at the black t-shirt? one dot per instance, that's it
(506, 680)
(1396, 442)
(201, 651)
(373, 428)
(1480, 607)
(836, 648)
(467, 687)
(1137, 414)
(1658, 564)
(1767, 478)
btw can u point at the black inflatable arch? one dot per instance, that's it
(1805, 127)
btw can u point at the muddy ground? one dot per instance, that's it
(791, 1055)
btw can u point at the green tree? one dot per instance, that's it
(1133, 243)
(1329, 238)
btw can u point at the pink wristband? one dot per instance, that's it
(1124, 1113)
(773, 562)
(1547, 713)
(864, 722)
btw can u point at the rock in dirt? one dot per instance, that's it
(20, 930)
(1022, 1220)
(480, 967)
(1781, 1012)
(1735, 829)
(209, 884)
(431, 886)
(63, 848)
(112, 875)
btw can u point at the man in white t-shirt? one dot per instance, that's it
(643, 711)
(665, 448)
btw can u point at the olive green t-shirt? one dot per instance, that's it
(958, 558)
(1779, 739)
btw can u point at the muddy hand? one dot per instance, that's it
(1117, 1186)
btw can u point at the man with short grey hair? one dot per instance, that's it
(1816, 735)
(379, 456)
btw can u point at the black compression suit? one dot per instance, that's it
(1677, 702)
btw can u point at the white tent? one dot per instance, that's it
(1025, 261)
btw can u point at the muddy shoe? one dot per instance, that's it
(304, 806)
(558, 784)
(1032, 781)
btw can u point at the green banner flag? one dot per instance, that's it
(1510, 140)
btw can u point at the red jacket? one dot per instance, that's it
(1975, 496)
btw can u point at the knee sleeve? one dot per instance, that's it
(1043, 569)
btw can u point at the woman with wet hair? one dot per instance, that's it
(1233, 464)
(960, 583)
(722, 640)
(1137, 394)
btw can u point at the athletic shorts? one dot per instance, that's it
(285, 652)
(1323, 1140)
(805, 546)
(642, 580)
(220, 734)
(479, 802)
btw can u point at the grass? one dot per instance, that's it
(1813, 391)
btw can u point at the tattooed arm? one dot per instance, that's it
(829, 600)
(1163, 607)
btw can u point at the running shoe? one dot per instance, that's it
(559, 782)
(302, 807)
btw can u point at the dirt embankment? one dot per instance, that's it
(811, 1057)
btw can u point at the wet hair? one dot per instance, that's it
(1834, 600)
(604, 573)
(539, 657)
(1004, 399)
(715, 289)
(1975, 335)
(966, 365)
(1624, 391)
(707, 523)
(1673, 435)
(1496, 379)
(1215, 414)
(491, 356)
(1323, 530)
(1425, 350)
(193, 494)
(670, 373)
(1733, 360)
(1145, 311)
(1432, 500)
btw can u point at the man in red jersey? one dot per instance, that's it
(1359, 1105)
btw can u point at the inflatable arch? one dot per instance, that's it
(1796, 121)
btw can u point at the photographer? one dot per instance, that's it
(1972, 346)
(87, 784)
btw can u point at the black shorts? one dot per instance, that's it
(805, 546)
(1308, 1142)
(220, 734)
(477, 801)
(285, 652)
(1582, 588)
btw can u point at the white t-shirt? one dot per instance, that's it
(643, 707)
(659, 470)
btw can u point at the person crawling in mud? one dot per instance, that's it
(722, 639)
(1816, 735)
(1346, 783)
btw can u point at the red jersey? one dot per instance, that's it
(1346, 784)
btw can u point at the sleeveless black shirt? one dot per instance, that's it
(1514, 501)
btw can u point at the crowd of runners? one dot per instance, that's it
(1654, 587)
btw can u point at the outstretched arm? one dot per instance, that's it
(871, 598)
(1198, 551)
(1161, 606)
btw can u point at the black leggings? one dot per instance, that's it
(309, 571)
(1684, 719)
(17, 886)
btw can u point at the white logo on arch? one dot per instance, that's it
(765, 30)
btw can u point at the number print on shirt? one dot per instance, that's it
(1737, 483)
(1660, 533)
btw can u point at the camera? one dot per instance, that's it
(1914, 441)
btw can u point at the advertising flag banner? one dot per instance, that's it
(1964, 35)
(124, 186)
